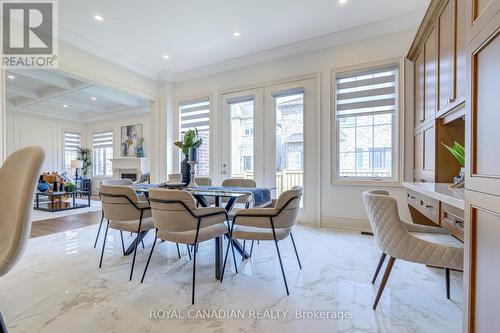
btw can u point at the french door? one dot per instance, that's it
(269, 134)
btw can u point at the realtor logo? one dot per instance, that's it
(29, 34)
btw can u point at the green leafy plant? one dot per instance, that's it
(458, 151)
(69, 187)
(190, 140)
(85, 155)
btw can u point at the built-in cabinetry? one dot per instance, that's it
(482, 205)
(438, 54)
(464, 37)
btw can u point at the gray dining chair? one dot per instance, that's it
(19, 174)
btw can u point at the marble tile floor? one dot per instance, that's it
(57, 287)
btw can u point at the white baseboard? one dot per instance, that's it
(346, 223)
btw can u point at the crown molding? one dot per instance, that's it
(101, 51)
(404, 22)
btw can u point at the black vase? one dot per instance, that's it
(185, 170)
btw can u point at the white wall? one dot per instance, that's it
(340, 205)
(25, 130)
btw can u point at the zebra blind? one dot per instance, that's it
(102, 140)
(102, 153)
(366, 92)
(72, 141)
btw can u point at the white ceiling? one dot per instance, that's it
(199, 33)
(50, 93)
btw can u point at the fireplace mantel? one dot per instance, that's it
(138, 165)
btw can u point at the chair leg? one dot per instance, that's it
(149, 258)
(281, 265)
(178, 251)
(3, 326)
(99, 230)
(379, 266)
(447, 273)
(225, 260)
(104, 243)
(295, 248)
(251, 249)
(123, 244)
(244, 245)
(234, 257)
(384, 281)
(136, 245)
(189, 251)
(194, 274)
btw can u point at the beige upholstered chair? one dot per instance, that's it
(177, 219)
(274, 223)
(19, 174)
(203, 181)
(246, 200)
(426, 245)
(121, 182)
(124, 212)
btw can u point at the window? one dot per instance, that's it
(102, 152)
(196, 114)
(248, 127)
(71, 144)
(247, 163)
(366, 104)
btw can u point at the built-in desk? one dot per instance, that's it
(438, 204)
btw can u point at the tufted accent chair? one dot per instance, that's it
(432, 246)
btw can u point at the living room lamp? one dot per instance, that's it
(76, 164)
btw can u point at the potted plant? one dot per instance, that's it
(85, 155)
(190, 140)
(458, 151)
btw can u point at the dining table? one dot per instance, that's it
(223, 196)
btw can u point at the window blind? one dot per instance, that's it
(71, 141)
(194, 114)
(102, 140)
(366, 92)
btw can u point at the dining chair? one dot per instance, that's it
(19, 174)
(124, 212)
(432, 246)
(122, 182)
(177, 219)
(203, 181)
(273, 223)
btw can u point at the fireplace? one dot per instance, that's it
(127, 175)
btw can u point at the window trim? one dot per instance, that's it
(101, 131)
(398, 127)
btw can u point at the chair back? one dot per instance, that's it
(239, 182)
(383, 215)
(122, 182)
(118, 203)
(171, 210)
(289, 203)
(203, 181)
(18, 175)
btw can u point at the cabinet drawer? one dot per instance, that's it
(452, 218)
(427, 206)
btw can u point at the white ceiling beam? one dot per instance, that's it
(21, 92)
(45, 76)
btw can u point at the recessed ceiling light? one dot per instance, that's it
(342, 2)
(98, 18)
(11, 77)
(65, 105)
(165, 56)
(236, 34)
(93, 98)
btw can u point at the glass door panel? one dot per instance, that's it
(289, 141)
(242, 139)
